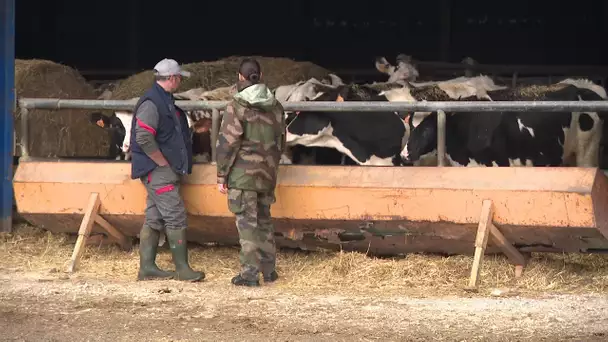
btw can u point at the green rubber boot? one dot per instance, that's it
(148, 244)
(179, 249)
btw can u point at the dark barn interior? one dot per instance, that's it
(110, 39)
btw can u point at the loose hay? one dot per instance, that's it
(30, 249)
(57, 133)
(222, 73)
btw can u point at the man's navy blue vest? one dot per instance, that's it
(172, 136)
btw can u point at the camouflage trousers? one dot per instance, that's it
(256, 231)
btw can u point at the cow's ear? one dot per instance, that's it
(98, 119)
(332, 91)
(382, 65)
(482, 129)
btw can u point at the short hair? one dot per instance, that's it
(161, 78)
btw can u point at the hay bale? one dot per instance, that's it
(57, 133)
(222, 73)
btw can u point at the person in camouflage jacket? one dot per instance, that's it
(249, 147)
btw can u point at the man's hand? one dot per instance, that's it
(158, 158)
(222, 188)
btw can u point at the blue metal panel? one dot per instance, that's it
(7, 96)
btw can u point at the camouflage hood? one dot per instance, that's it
(257, 95)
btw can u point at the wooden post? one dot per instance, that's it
(91, 217)
(485, 229)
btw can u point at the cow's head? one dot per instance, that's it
(201, 126)
(97, 118)
(422, 140)
(332, 79)
(314, 90)
(405, 70)
(119, 124)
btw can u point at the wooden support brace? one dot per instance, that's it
(481, 241)
(485, 229)
(91, 217)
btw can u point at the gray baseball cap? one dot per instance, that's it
(169, 67)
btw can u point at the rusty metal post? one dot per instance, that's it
(215, 128)
(441, 118)
(25, 133)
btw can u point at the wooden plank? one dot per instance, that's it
(85, 229)
(120, 238)
(483, 230)
(511, 252)
(507, 248)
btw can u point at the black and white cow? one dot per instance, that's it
(317, 91)
(116, 129)
(518, 138)
(303, 91)
(405, 70)
(366, 138)
(118, 126)
(306, 90)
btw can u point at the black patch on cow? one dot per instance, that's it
(322, 155)
(115, 129)
(589, 95)
(201, 143)
(585, 122)
(364, 134)
(495, 137)
(308, 123)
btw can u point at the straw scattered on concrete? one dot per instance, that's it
(30, 249)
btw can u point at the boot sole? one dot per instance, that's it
(190, 280)
(248, 285)
(154, 278)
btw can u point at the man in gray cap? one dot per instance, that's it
(161, 150)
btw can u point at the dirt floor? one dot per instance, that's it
(320, 297)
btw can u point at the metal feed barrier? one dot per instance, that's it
(380, 210)
(217, 108)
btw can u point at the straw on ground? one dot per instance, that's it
(33, 249)
(320, 297)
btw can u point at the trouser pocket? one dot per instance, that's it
(236, 204)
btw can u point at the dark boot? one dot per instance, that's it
(179, 250)
(271, 277)
(240, 281)
(148, 244)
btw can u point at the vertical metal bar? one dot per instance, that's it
(441, 138)
(7, 106)
(514, 80)
(25, 133)
(215, 128)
